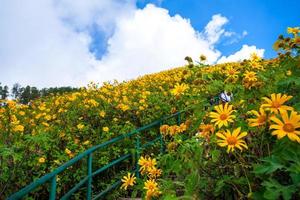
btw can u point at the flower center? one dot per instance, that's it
(151, 187)
(276, 104)
(261, 119)
(231, 140)
(231, 72)
(207, 128)
(288, 128)
(223, 116)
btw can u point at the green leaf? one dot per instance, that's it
(296, 178)
(269, 165)
(275, 189)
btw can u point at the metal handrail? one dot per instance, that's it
(51, 177)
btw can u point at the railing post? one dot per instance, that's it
(137, 148)
(178, 119)
(53, 188)
(162, 142)
(89, 181)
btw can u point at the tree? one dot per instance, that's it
(35, 93)
(25, 96)
(16, 91)
(4, 92)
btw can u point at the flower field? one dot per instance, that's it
(245, 148)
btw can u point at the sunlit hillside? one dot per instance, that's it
(239, 137)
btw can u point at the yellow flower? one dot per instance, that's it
(232, 72)
(294, 30)
(254, 57)
(42, 160)
(276, 102)
(287, 127)
(146, 164)
(123, 107)
(105, 129)
(128, 180)
(232, 140)
(42, 107)
(164, 129)
(154, 173)
(80, 126)
(86, 142)
(19, 128)
(152, 189)
(22, 113)
(223, 115)
(250, 76)
(67, 151)
(45, 124)
(102, 114)
(182, 128)
(289, 72)
(205, 130)
(173, 130)
(141, 108)
(260, 120)
(179, 89)
(48, 117)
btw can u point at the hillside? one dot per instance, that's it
(248, 147)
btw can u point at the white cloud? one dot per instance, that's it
(244, 33)
(46, 43)
(151, 40)
(82, 14)
(243, 53)
(214, 29)
(39, 46)
(234, 37)
(229, 33)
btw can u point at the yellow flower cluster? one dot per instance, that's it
(148, 167)
(173, 130)
(289, 43)
(284, 121)
(222, 117)
(250, 79)
(78, 117)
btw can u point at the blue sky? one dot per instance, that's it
(264, 20)
(60, 43)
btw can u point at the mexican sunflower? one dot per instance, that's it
(287, 126)
(232, 140)
(276, 102)
(261, 118)
(152, 189)
(179, 89)
(128, 180)
(146, 164)
(222, 116)
(250, 76)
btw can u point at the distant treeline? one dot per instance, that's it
(28, 93)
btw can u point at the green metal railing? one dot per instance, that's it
(88, 180)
